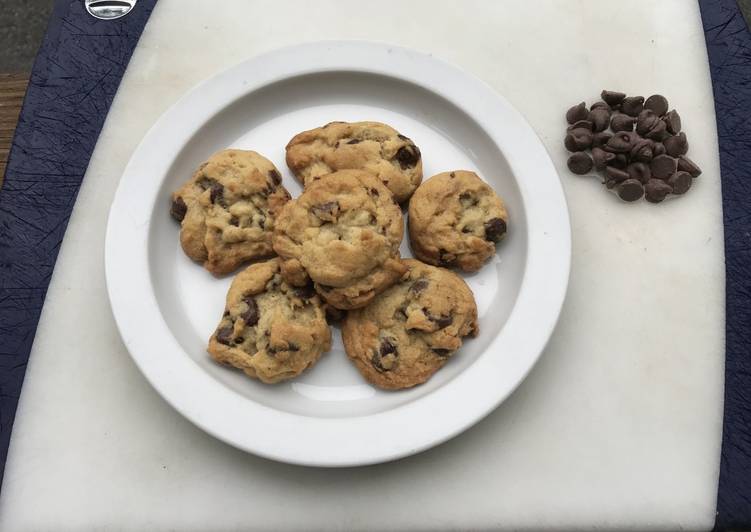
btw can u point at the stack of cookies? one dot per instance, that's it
(337, 254)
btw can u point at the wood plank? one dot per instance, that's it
(12, 90)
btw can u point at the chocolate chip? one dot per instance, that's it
(217, 193)
(354, 141)
(612, 97)
(681, 182)
(250, 316)
(326, 211)
(408, 156)
(403, 137)
(687, 165)
(178, 209)
(584, 124)
(646, 121)
(676, 145)
(622, 142)
(673, 122)
(657, 103)
(601, 158)
(373, 192)
(600, 119)
(334, 314)
(452, 175)
(601, 138)
(580, 163)
(620, 161)
(239, 340)
(577, 112)
(442, 321)
(658, 149)
(234, 220)
(387, 348)
(599, 105)
(305, 292)
(630, 190)
(621, 122)
(655, 190)
(610, 184)
(445, 258)
(632, 105)
(616, 174)
(495, 228)
(639, 171)
(663, 166)
(224, 334)
(578, 139)
(275, 177)
(642, 151)
(443, 353)
(419, 285)
(658, 131)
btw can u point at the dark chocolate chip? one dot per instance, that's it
(599, 105)
(639, 171)
(632, 105)
(326, 211)
(224, 334)
(681, 182)
(419, 285)
(584, 124)
(234, 220)
(673, 122)
(612, 97)
(443, 353)
(373, 192)
(580, 163)
(387, 348)
(178, 209)
(354, 141)
(616, 174)
(403, 137)
(642, 151)
(658, 131)
(658, 149)
(408, 156)
(687, 165)
(217, 193)
(250, 316)
(676, 145)
(226, 313)
(622, 142)
(600, 119)
(655, 190)
(275, 177)
(305, 292)
(621, 122)
(239, 340)
(445, 258)
(601, 158)
(630, 190)
(495, 228)
(620, 161)
(657, 103)
(578, 139)
(577, 112)
(442, 321)
(663, 166)
(601, 138)
(646, 121)
(610, 183)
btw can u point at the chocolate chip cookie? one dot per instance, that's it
(227, 209)
(456, 219)
(343, 232)
(411, 330)
(371, 146)
(270, 330)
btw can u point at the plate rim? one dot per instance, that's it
(541, 294)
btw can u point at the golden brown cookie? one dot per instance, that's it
(456, 219)
(343, 232)
(227, 209)
(410, 330)
(371, 146)
(270, 330)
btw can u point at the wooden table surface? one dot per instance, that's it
(12, 90)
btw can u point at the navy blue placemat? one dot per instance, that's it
(729, 50)
(75, 77)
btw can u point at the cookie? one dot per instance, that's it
(411, 330)
(456, 219)
(343, 232)
(371, 146)
(270, 330)
(227, 210)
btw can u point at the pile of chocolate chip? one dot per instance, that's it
(643, 154)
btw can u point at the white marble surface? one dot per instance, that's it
(618, 426)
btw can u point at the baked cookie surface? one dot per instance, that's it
(409, 331)
(456, 219)
(371, 146)
(227, 209)
(270, 330)
(343, 232)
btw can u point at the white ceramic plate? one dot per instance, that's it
(166, 306)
